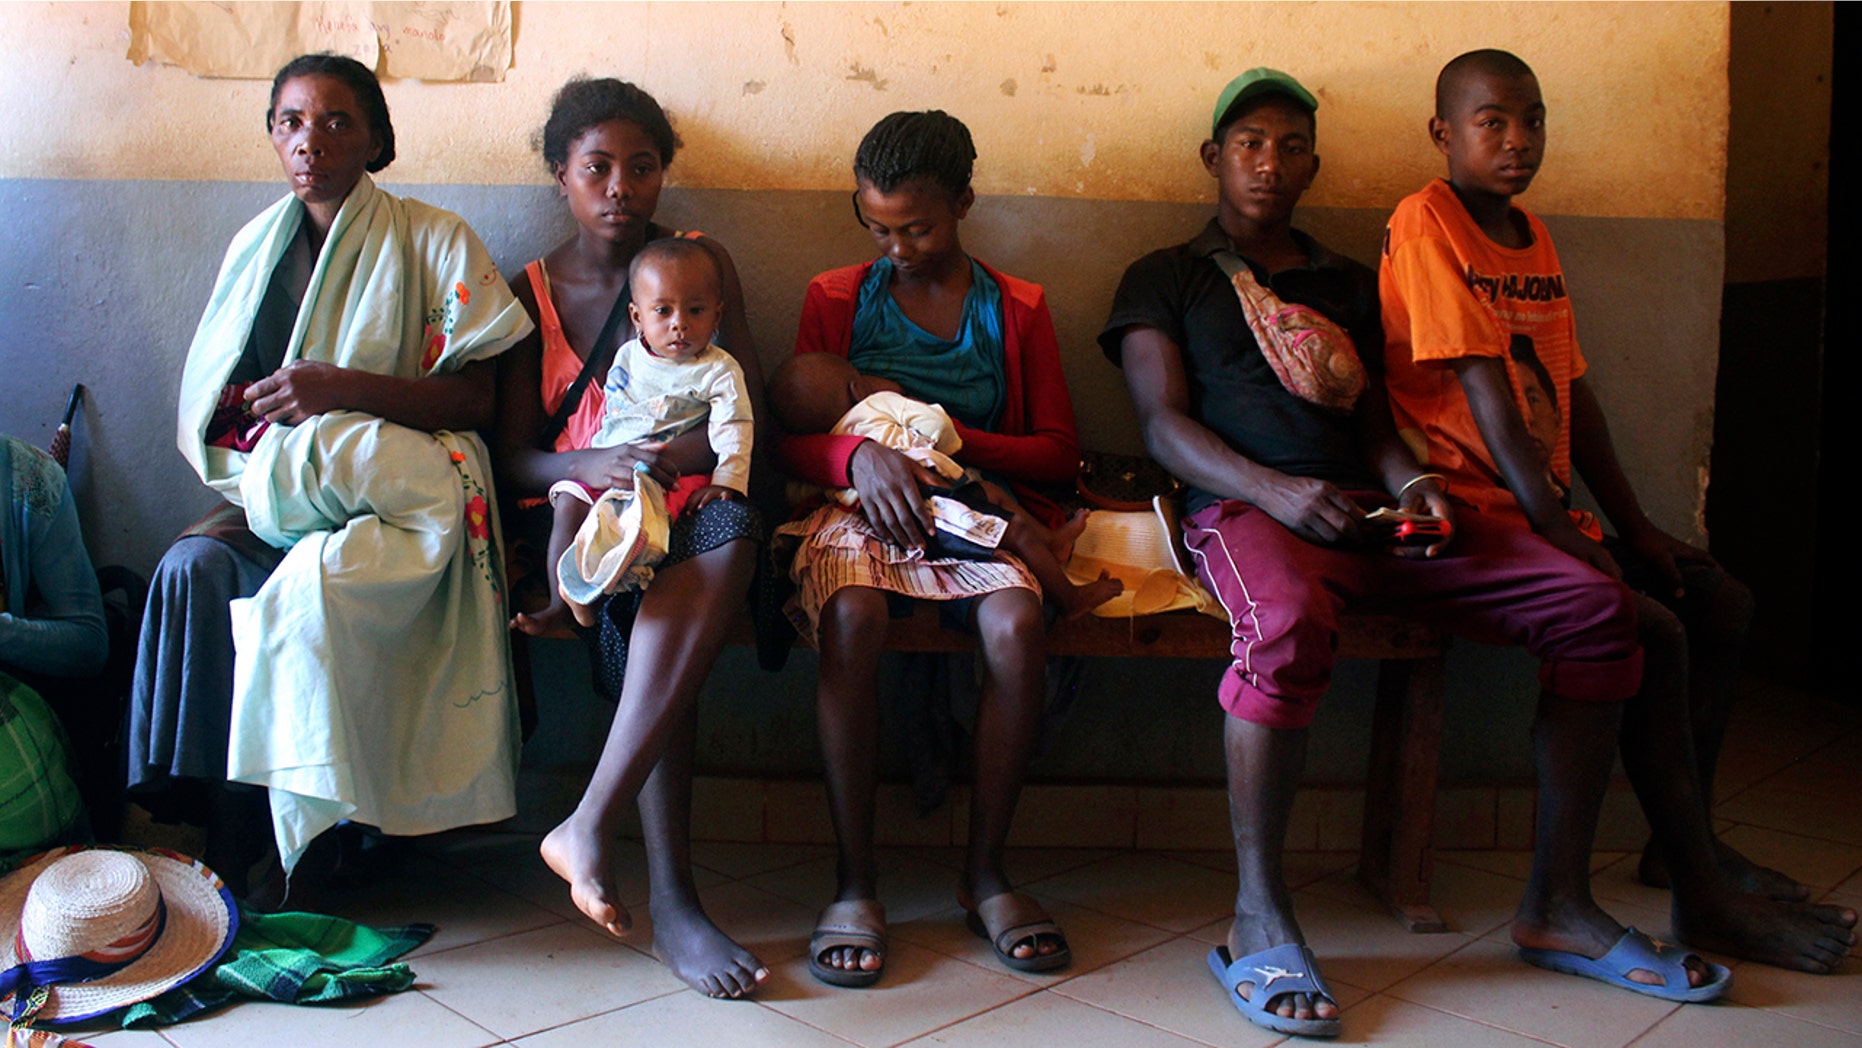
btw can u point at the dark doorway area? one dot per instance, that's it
(1777, 518)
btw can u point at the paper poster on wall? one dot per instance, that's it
(251, 41)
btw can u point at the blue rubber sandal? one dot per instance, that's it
(1287, 968)
(1638, 951)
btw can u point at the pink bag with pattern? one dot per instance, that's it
(1312, 356)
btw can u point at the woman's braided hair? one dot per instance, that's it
(903, 147)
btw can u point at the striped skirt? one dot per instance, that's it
(838, 548)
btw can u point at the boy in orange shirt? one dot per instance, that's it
(1481, 355)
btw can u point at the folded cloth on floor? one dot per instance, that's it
(293, 958)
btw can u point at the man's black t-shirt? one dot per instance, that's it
(1233, 390)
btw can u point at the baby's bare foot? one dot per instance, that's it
(1082, 599)
(552, 621)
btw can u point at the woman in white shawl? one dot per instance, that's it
(334, 634)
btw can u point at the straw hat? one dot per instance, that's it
(149, 920)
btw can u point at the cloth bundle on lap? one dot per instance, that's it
(921, 432)
(372, 676)
(965, 523)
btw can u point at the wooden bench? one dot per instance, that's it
(1394, 860)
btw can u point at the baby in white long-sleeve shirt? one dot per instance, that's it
(669, 379)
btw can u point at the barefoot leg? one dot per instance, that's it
(1715, 614)
(1061, 539)
(580, 852)
(684, 938)
(1073, 601)
(1058, 541)
(1083, 599)
(1722, 623)
(675, 639)
(566, 516)
(552, 621)
(1710, 912)
(239, 833)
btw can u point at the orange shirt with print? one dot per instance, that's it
(1449, 292)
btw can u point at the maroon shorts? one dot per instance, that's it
(1497, 584)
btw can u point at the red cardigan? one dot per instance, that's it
(1035, 439)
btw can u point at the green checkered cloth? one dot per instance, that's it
(296, 958)
(39, 802)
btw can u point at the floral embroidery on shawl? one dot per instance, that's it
(480, 549)
(435, 341)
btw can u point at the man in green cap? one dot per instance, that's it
(1264, 454)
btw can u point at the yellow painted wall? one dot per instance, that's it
(1099, 100)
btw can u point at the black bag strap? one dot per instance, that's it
(1229, 262)
(600, 355)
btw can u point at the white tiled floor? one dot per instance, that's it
(511, 965)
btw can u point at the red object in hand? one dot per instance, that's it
(1422, 531)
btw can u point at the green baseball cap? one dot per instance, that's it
(1259, 81)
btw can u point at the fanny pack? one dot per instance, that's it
(1313, 357)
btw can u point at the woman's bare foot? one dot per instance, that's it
(552, 621)
(1081, 599)
(1742, 873)
(704, 958)
(1806, 937)
(580, 855)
